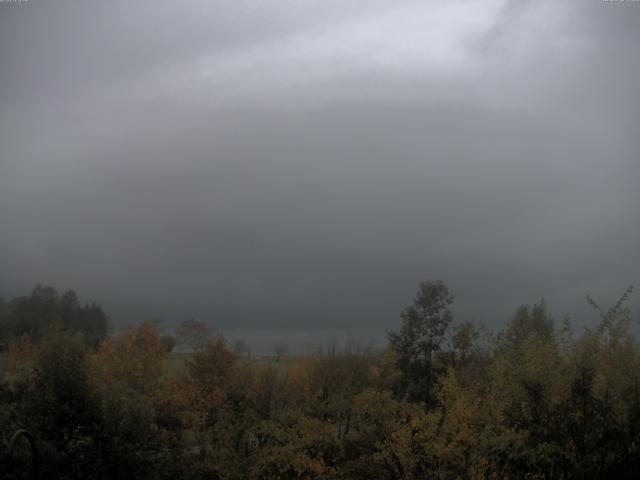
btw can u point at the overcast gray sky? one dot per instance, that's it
(304, 164)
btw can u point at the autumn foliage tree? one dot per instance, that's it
(440, 401)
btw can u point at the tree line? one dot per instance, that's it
(443, 400)
(33, 314)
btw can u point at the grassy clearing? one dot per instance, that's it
(176, 363)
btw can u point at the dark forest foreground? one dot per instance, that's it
(443, 400)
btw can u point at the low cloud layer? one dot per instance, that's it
(305, 164)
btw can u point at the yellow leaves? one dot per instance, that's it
(536, 360)
(461, 424)
(600, 385)
(133, 360)
(286, 463)
(403, 433)
(298, 447)
(300, 383)
(20, 357)
(211, 365)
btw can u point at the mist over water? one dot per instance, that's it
(298, 342)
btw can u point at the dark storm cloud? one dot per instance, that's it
(268, 166)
